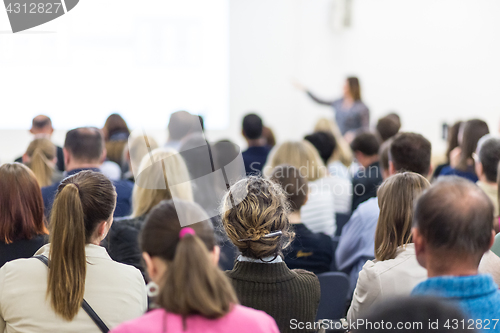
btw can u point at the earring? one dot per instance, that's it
(152, 289)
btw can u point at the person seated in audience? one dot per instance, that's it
(324, 142)
(22, 222)
(268, 134)
(461, 161)
(452, 143)
(116, 134)
(328, 195)
(310, 251)
(84, 150)
(78, 268)
(255, 156)
(191, 293)
(341, 158)
(365, 182)
(388, 126)
(41, 158)
(413, 314)
(486, 164)
(149, 190)
(180, 125)
(395, 270)
(41, 127)
(138, 146)
(255, 216)
(451, 231)
(405, 152)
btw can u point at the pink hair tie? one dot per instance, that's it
(185, 231)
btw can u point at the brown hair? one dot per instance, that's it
(396, 198)
(388, 126)
(21, 204)
(473, 130)
(82, 202)
(42, 152)
(115, 124)
(410, 152)
(452, 138)
(293, 183)
(253, 208)
(354, 88)
(192, 283)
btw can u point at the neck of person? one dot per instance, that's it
(256, 142)
(294, 217)
(368, 160)
(483, 179)
(452, 266)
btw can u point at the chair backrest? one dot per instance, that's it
(334, 289)
(341, 220)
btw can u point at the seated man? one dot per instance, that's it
(405, 152)
(84, 150)
(256, 154)
(487, 158)
(451, 232)
(310, 251)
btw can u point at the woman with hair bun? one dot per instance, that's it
(255, 216)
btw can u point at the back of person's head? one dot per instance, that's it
(412, 314)
(325, 144)
(192, 283)
(84, 203)
(138, 147)
(181, 123)
(472, 131)
(396, 198)
(293, 183)
(262, 211)
(366, 143)
(488, 158)
(452, 139)
(383, 154)
(115, 128)
(85, 144)
(42, 154)
(21, 204)
(354, 88)
(41, 124)
(224, 153)
(154, 181)
(342, 151)
(410, 152)
(252, 126)
(300, 154)
(388, 126)
(454, 216)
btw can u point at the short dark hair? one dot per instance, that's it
(85, 144)
(182, 123)
(387, 127)
(411, 152)
(489, 156)
(366, 143)
(324, 143)
(293, 183)
(252, 126)
(383, 154)
(41, 121)
(455, 215)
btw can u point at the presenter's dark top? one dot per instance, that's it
(255, 158)
(60, 159)
(23, 248)
(348, 119)
(123, 191)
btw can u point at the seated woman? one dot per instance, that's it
(37, 298)
(41, 158)
(22, 221)
(255, 216)
(192, 294)
(395, 270)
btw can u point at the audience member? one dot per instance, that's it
(255, 156)
(138, 146)
(257, 223)
(41, 127)
(84, 150)
(388, 126)
(310, 251)
(452, 230)
(461, 161)
(452, 140)
(324, 142)
(79, 268)
(41, 158)
(181, 124)
(365, 182)
(22, 222)
(268, 134)
(486, 166)
(192, 294)
(496, 246)
(405, 152)
(395, 270)
(149, 190)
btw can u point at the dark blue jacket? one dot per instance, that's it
(254, 159)
(123, 191)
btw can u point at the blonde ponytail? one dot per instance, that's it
(42, 152)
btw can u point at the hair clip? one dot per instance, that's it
(272, 234)
(186, 231)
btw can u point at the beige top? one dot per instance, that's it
(491, 192)
(115, 291)
(379, 280)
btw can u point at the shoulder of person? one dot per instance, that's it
(142, 324)
(306, 275)
(123, 184)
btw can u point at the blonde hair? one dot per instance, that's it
(396, 198)
(300, 154)
(42, 153)
(150, 182)
(137, 148)
(343, 152)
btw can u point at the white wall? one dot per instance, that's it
(430, 60)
